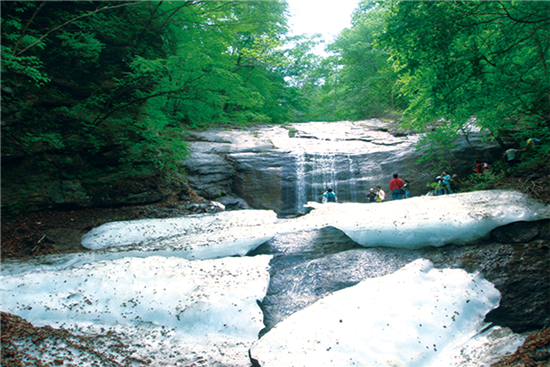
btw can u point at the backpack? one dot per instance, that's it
(331, 197)
(536, 141)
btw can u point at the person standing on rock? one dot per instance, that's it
(380, 194)
(396, 187)
(446, 177)
(407, 189)
(371, 196)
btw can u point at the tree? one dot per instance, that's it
(75, 80)
(356, 81)
(480, 60)
(366, 77)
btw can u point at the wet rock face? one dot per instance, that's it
(28, 185)
(520, 271)
(522, 279)
(520, 232)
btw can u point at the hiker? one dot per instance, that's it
(438, 189)
(446, 178)
(531, 143)
(407, 189)
(511, 156)
(380, 194)
(478, 167)
(396, 186)
(371, 196)
(329, 196)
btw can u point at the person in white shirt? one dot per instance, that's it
(381, 194)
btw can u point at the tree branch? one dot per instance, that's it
(24, 31)
(99, 119)
(520, 20)
(71, 21)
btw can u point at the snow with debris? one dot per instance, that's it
(408, 318)
(192, 237)
(168, 309)
(137, 288)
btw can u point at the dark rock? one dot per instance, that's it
(210, 175)
(521, 272)
(520, 232)
(233, 203)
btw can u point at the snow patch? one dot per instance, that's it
(424, 221)
(408, 318)
(192, 237)
(166, 308)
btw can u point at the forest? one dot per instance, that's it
(117, 83)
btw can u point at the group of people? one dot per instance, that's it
(446, 184)
(511, 155)
(398, 189)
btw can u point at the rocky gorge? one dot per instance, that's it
(281, 169)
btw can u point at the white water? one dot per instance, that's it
(301, 193)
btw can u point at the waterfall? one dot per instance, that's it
(352, 179)
(301, 192)
(315, 173)
(322, 175)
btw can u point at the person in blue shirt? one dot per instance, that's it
(446, 178)
(329, 196)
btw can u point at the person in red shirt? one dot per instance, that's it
(395, 187)
(479, 167)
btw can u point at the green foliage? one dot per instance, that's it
(462, 59)
(435, 147)
(291, 131)
(356, 81)
(487, 180)
(120, 82)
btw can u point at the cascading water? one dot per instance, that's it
(353, 171)
(301, 193)
(316, 173)
(322, 175)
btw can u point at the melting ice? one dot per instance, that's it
(172, 310)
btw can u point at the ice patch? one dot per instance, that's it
(411, 223)
(408, 318)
